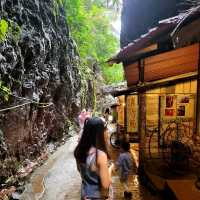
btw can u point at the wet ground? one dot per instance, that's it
(58, 179)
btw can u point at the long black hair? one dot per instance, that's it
(93, 136)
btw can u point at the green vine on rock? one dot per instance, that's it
(9, 29)
(3, 29)
(86, 75)
(56, 5)
(94, 95)
(4, 92)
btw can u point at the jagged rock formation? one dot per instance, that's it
(140, 15)
(38, 61)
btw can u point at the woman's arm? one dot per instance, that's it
(105, 172)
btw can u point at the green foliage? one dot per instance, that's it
(9, 30)
(3, 29)
(90, 26)
(113, 74)
(4, 92)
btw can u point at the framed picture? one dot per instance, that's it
(184, 99)
(169, 101)
(169, 112)
(181, 111)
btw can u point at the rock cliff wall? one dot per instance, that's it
(38, 63)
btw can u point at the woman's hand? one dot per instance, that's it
(112, 167)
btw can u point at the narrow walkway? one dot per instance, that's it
(58, 179)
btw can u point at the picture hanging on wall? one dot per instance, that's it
(184, 99)
(169, 101)
(169, 112)
(181, 111)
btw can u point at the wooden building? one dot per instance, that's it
(162, 101)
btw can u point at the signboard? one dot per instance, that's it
(120, 110)
(132, 114)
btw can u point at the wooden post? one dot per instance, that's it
(125, 115)
(142, 127)
(142, 119)
(141, 71)
(125, 119)
(159, 121)
(198, 98)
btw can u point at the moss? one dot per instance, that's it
(86, 74)
(9, 30)
(3, 29)
(60, 2)
(4, 92)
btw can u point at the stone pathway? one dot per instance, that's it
(58, 179)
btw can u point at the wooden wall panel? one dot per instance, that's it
(194, 87)
(192, 50)
(132, 74)
(176, 62)
(164, 72)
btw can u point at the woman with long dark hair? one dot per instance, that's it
(92, 160)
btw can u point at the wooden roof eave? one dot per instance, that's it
(144, 54)
(140, 88)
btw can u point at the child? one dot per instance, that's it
(125, 165)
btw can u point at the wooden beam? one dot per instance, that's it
(173, 63)
(148, 49)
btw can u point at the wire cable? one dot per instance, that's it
(40, 105)
(14, 107)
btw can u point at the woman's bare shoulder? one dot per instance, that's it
(102, 156)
